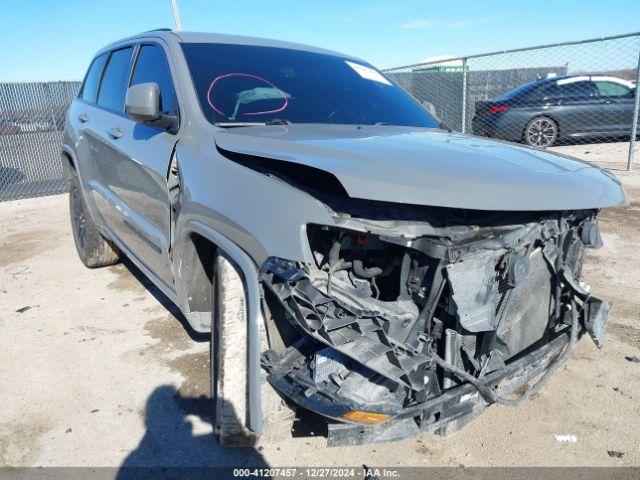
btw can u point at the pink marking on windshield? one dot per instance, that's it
(246, 75)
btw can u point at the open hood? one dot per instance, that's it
(432, 167)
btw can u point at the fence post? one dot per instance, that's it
(634, 125)
(464, 95)
(48, 98)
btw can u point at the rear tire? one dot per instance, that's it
(229, 366)
(541, 132)
(93, 249)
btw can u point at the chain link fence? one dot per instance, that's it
(31, 125)
(578, 98)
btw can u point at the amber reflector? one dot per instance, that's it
(369, 418)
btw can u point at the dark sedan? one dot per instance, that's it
(543, 112)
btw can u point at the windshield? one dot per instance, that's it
(244, 83)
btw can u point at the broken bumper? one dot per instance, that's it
(455, 406)
(393, 340)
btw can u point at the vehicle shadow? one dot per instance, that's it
(170, 449)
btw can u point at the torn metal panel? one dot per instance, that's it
(474, 291)
(597, 319)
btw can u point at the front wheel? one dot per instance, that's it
(541, 132)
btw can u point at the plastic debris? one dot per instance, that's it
(633, 358)
(565, 438)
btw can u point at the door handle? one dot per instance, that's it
(115, 132)
(83, 117)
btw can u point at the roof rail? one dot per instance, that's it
(159, 30)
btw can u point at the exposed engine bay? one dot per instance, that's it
(400, 307)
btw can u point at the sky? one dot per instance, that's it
(55, 40)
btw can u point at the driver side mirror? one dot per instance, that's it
(142, 105)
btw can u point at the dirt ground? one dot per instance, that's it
(97, 369)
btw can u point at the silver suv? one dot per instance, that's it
(348, 254)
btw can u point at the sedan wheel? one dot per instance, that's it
(541, 132)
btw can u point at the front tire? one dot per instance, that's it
(229, 386)
(93, 249)
(541, 132)
(228, 355)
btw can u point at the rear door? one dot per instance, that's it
(103, 179)
(130, 161)
(580, 111)
(81, 111)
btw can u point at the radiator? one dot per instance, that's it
(530, 307)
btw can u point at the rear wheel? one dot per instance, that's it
(93, 249)
(229, 365)
(541, 132)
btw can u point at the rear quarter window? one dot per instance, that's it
(552, 91)
(92, 80)
(115, 80)
(533, 95)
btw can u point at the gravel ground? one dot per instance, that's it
(97, 369)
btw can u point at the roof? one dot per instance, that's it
(565, 79)
(579, 78)
(205, 37)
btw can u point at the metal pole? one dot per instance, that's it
(464, 95)
(47, 90)
(176, 14)
(634, 125)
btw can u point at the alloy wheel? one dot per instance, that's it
(542, 132)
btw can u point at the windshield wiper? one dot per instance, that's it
(237, 124)
(275, 121)
(278, 121)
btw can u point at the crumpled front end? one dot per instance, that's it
(400, 326)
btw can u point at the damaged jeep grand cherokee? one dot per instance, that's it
(349, 255)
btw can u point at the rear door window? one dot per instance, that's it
(92, 80)
(152, 66)
(582, 89)
(115, 80)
